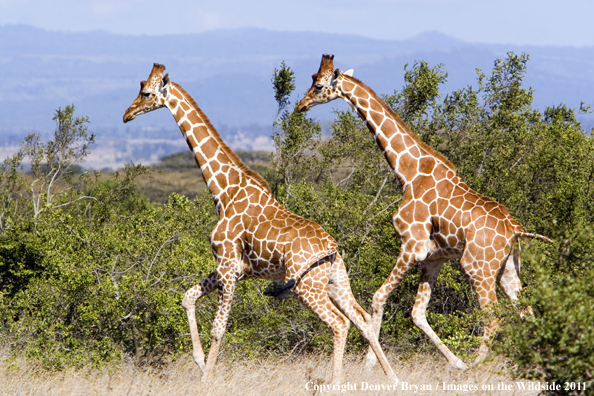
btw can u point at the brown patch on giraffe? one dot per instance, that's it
(391, 158)
(457, 218)
(375, 106)
(209, 147)
(459, 192)
(452, 229)
(194, 117)
(407, 165)
(489, 251)
(192, 140)
(364, 103)
(468, 205)
(409, 142)
(206, 174)
(185, 126)
(347, 86)
(234, 176)
(491, 222)
(452, 240)
(268, 211)
(457, 201)
(415, 152)
(180, 113)
(272, 234)
(377, 118)
(184, 106)
(439, 172)
(426, 165)
(429, 198)
(450, 212)
(442, 205)
(480, 222)
(360, 93)
(381, 141)
(444, 188)
(499, 242)
(214, 166)
(421, 211)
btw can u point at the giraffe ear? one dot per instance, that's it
(348, 72)
(334, 77)
(165, 84)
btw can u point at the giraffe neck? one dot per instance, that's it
(223, 171)
(401, 147)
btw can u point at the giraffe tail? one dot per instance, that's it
(279, 291)
(522, 234)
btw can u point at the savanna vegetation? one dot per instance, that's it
(93, 267)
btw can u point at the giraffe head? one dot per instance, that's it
(153, 94)
(323, 89)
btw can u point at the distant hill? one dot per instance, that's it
(228, 72)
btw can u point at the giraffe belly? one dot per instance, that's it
(446, 248)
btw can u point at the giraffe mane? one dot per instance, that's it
(230, 153)
(402, 124)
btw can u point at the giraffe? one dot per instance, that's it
(255, 236)
(440, 217)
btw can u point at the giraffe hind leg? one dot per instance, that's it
(340, 292)
(311, 292)
(483, 283)
(509, 281)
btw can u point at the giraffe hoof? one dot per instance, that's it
(200, 362)
(370, 361)
(459, 364)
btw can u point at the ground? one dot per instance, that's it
(303, 375)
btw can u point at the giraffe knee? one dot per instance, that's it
(378, 301)
(527, 313)
(190, 298)
(419, 318)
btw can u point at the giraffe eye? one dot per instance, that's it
(318, 87)
(145, 95)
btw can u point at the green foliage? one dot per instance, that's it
(558, 343)
(283, 83)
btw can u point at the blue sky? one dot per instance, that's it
(540, 22)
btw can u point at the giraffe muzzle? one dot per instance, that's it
(302, 107)
(129, 116)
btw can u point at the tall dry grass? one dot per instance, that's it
(294, 376)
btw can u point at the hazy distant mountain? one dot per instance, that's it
(228, 72)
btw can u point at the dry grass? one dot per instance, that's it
(257, 377)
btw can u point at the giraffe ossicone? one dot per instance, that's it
(255, 236)
(440, 217)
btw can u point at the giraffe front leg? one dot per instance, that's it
(429, 272)
(406, 260)
(227, 279)
(189, 304)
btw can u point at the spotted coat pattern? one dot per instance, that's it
(255, 236)
(440, 217)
